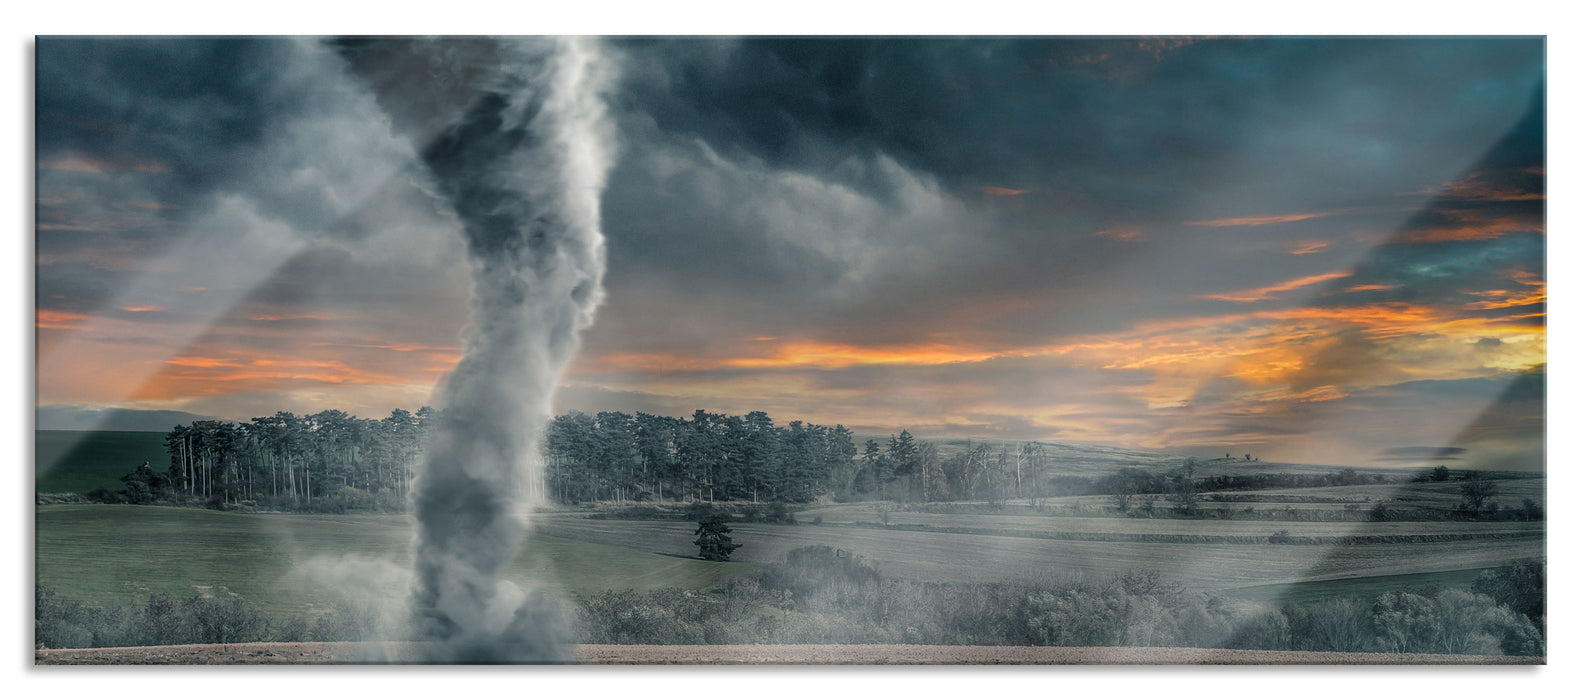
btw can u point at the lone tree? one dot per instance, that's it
(1184, 494)
(1475, 490)
(714, 539)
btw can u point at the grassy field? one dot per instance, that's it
(939, 556)
(290, 564)
(79, 461)
(1363, 587)
(286, 563)
(1031, 521)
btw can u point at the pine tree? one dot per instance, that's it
(714, 539)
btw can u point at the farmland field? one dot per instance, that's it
(290, 564)
(940, 556)
(1445, 495)
(79, 461)
(105, 553)
(1029, 524)
(1361, 587)
(100, 554)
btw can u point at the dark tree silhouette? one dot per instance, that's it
(714, 539)
(1475, 490)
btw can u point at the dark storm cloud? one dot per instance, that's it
(77, 287)
(228, 179)
(144, 144)
(1428, 271)
(192, 111)
(1014, 111)
(1487, 223)
(1095, 134)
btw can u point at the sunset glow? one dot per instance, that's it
(1339, 260)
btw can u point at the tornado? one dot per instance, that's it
(511, 136)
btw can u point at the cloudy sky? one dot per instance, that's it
(1313, 250)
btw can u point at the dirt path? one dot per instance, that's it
(854, 654)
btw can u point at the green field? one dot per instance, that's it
(1364, 588)
(1027, 521)
(79, 461)
(291, 564)
(940, 556)
(105, 553)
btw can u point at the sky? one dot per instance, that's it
(1311, 250)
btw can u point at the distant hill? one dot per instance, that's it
(117, 419)
(79, 461)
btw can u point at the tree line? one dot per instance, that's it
(332, 461)
(615, 456)
(328, 460)
(712, 457)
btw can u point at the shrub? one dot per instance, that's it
(627, 617)
(343, 622)
(162, 621)
(138, 492)
(1518, 585)
(57, 623)
(820, 571)
(699, 512)
(1452, 622)
(1073, 618)
(104, 495)
(224, 621)
(1268, 630)
(780, 513)
(1149, 623)
(1331, 625)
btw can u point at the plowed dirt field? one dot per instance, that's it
(835, 654)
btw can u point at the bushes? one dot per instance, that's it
(1452, 622)
(104, 495)
(1266, 630)
(222, 621)
(627, 617)
(819, 572)
(1331, 625)
(1518, 585)
(819, 596)
(823, 595)
(60, 624)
